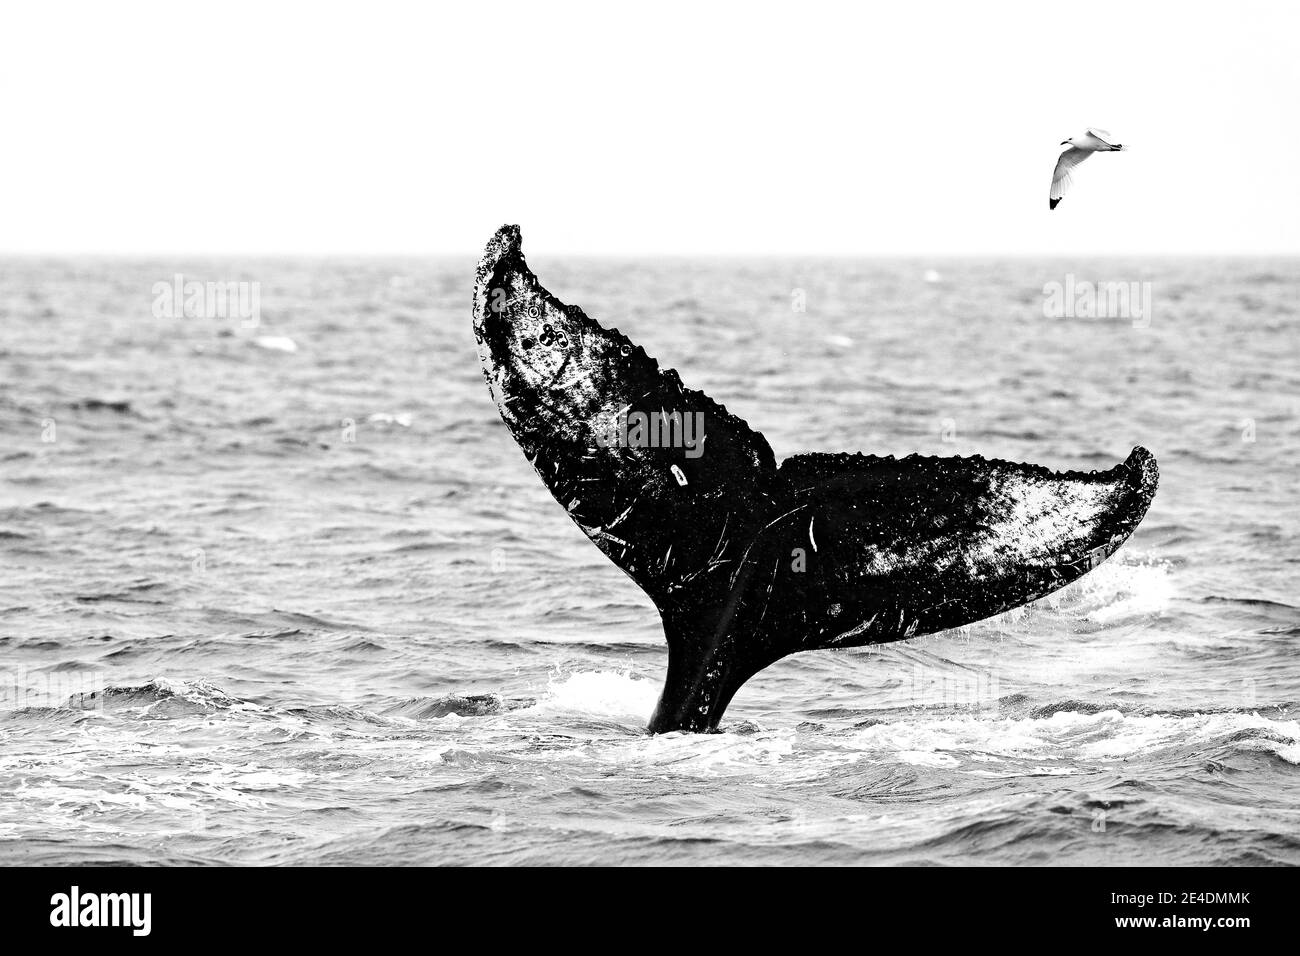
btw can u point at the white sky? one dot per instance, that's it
(692, 128)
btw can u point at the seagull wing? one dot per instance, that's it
(1101, 134)
(1061, 176)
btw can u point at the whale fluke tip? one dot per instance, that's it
(507, 239)
(1143, 464)
(505, 243)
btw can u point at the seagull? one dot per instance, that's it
(1081, 147)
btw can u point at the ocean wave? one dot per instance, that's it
(126, 593)
(160, 697)
(118, 406)
(1073, 737)
(455, 705)
(1067, 737)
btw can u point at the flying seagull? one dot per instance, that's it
(1081, 147)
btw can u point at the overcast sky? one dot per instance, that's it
(691, 128)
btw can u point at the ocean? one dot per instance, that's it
(287, 592)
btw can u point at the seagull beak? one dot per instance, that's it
(1065, 142)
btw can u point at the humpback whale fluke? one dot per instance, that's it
(747, 561)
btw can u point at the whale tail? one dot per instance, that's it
(746, 561)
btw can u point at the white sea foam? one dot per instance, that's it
(1100, 737)
(384, 418)
(602, 694)
(709, 755)
(276, 343)
(1288, 752)
(928, 758)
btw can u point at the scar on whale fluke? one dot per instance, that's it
(748, 561)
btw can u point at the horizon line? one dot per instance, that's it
(431, 254)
